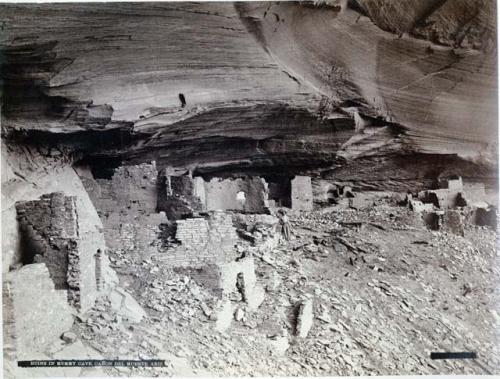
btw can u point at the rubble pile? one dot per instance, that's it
(354, 292)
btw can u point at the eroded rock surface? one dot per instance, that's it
(274, 87)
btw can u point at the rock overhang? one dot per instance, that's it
(252, 100)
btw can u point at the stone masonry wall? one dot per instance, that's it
(51, 222)
(132, 190)
(35, 312)
(452, 192)
(177, 195)
(66, 241)
(135, 187)
(202, 242)
(221, 194)
(193, 232)
(222, 231)
(182, 196)
(127, 206)
(302, 195)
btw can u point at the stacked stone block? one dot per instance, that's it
(98, 269)
(127, 206)
(192, 233)
(222, 231)
(141, 235)
(51, 225)
(202, 242)
(56, 232)
(134, 187)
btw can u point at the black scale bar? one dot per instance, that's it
(454, 355)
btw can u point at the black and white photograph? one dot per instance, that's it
(249, 189)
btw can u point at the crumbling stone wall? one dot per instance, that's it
(126, 204)
(222, 233)
(134, 187)
(302, 194)
(486, 216)
(279, 188)
(182, 196)
(142, 234)
(473, 193)
(131, 189)
(179, 196)
(193, 232)
(452, 193)
(453, 205)
(222, 194)
(194, 249)
(35, 312)
(202, 242)
(64, 238)
(50, 225)
(325, 192)
(453, 184)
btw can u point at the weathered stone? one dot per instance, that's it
(125, 305)
(274, 282)
(454, 185)
(203, 242)
(206, 310)
(453, 222)
(441, 198)
(304, 318)
(255, 297)
(178, 195)
(239, 276)
(302, 195)
(486, 216)
(324, 192)
(347, 192)
(419, 207)
(224, 316)
(35, 313)
(243, 194)
(359, 202)
(239, 314)
(69, 337)
(278, 344)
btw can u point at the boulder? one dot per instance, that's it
(69, 337)
(125, 305)
(239, 314)
(304, 318)
(224, 316)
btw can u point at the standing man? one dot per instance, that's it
(285, 224)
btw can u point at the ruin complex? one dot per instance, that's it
(250, 188)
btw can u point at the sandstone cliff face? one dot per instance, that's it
(267, 87)
(441, 89)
